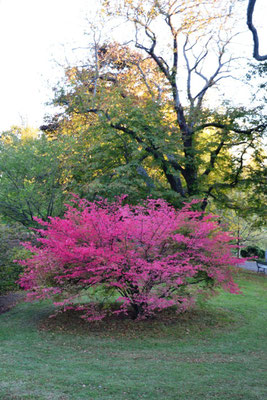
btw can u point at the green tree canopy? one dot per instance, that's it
(30, 176)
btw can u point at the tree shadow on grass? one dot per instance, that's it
(166, 324)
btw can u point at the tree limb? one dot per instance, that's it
(259, 128)
(213, 157)
(251, 27)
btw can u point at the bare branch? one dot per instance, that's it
(174, 34)
(211, 81)
(163, 66)
(189, 73)
(251, 27)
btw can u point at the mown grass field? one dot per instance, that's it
(216, 352)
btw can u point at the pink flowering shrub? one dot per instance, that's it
(147, 258)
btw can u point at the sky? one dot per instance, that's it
(36, 38)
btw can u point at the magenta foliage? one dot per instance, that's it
(147, 257)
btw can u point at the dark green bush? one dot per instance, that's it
(10, 249)
(253, 251)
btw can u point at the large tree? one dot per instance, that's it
(142, 116)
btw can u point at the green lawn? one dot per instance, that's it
(215, 352)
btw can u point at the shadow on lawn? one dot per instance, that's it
(165, 324)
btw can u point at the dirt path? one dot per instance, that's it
(9, 300)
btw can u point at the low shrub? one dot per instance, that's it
(146, 258)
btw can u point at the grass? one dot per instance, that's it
(216, 352)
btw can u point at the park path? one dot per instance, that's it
(249, 265)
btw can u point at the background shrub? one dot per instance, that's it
(10, 249)
(253, 251)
